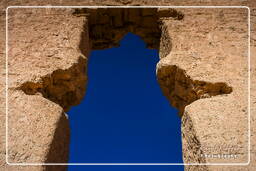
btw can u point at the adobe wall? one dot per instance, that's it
(202, 71)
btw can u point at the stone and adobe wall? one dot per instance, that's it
(202, 71)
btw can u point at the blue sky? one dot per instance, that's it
(124, 117)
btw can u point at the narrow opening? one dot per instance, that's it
(124, 116)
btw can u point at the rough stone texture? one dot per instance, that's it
(109, 25)
(54, 68)
(182, 90)
(206, 46)
(47, 79)
(64, 87)
(30, 117)
(216, 51)
(198, 67)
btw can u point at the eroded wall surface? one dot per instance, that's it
(205, 75)
(47, 74)
(202, 71)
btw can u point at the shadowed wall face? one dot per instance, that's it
(124, 117)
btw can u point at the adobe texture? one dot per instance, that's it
(202, 71)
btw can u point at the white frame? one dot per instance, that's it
(203, 164)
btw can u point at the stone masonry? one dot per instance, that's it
(202, 70)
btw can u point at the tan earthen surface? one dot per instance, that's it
(202, 71)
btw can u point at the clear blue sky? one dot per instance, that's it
(124, 117)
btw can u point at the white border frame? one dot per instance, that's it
(195, 164)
